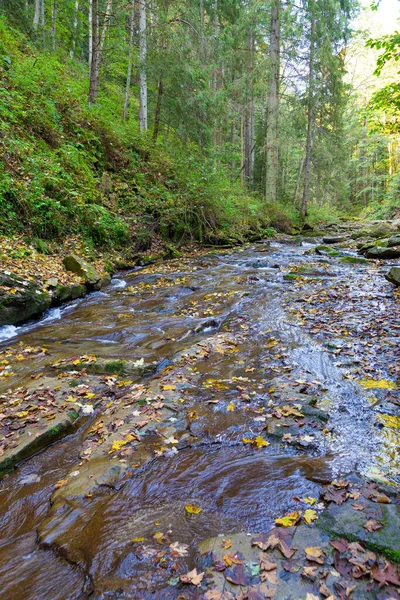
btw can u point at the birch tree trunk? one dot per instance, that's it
(94, 63)
(42, 14)
(37, 13)
(106, 23)
(142, 58)
(90, 33)
(130, 59)
(272, 141)
(310, 120)
(202, 39)
(98, 40)
(75, 29)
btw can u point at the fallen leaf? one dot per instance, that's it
(192, 509)
(371, 525)
(289, 520)
(315, 554)
(309, 572)
(310, 516)
(193, 577)
(180, 549)
(231, 559)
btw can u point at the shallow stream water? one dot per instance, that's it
(239, 491)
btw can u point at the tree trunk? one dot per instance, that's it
(249, 124)
(37, 13)
(90, 33)
(98, 46)
(42, 14)
(106, 23)
(298, 183)
(157, 114)
(365, 163)
(310, 121)
(54, 26)
(75, 29)
(272, 143)
(216, 133)
(143, 73)
(130, 59)
(95, 62)
(202, 39)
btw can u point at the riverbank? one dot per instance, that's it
(35, 277)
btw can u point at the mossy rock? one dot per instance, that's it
(354, 260)
(393, 275)
(78, 265)
(342, 521)
(23, 300)
(382, 253)
(323, 250)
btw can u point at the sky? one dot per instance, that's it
(386, 15)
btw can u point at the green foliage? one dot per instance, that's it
(56, 149)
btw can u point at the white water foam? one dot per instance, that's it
(7, 332)
(118, 284)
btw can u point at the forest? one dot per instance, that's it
(199, 300)
(204, 120)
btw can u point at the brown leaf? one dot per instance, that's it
(266, 563)
(315, 554)
(338, 496)
(309, 572)
(236, 575)
(358, 506)
(371, 525)
(193, 577)
(388, 575)
(341, 545)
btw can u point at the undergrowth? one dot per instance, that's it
(69, 168)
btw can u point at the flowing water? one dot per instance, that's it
(238, 490)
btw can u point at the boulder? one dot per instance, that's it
(393, 241)
(379, 252)
(20, 299)
(77, 264)
(334, 239)
(353, 260)
(379, 230)
(393, 275)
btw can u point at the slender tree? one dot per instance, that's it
(130, 59)
(143, 66)
(272, 139)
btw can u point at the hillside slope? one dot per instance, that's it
(70, 169)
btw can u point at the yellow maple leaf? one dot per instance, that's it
(117, 445)
(138, 540)
(192, 509)
(260, 442)
(170, 387)
(289, 520)
(310, 515)
(309, 500)
(231, 407)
